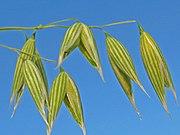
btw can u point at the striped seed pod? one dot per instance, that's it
(125, 82)
(19, 84)
(36, 86)
(118, 53)
(57, 95)
(70, 41)
(89, 49)
(156, 67)
(72, 101)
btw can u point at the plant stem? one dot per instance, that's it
(33, 28)
(50, 25)
(115, 23)
(17, 28)
(55, 24)
(65, 20)
(19, 51)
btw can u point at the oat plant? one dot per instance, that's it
(30, 71)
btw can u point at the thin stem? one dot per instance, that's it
(33, 28)
(10, 48)
(100, 28)
(115, 23)
(17, 28)
(54, 24)
(19, 51)
(50, 25)
(65, 20)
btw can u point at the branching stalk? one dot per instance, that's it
(20, 52)
(53, 25)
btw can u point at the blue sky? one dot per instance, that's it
(107, 110)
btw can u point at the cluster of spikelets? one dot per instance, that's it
(30, 72)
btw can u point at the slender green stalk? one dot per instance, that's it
(39, 27)
(112, 24)
(55, 24)
(64, 20)
(17, 28)
(50, 25)
(100, 28)
(19, 52)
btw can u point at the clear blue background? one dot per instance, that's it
(107, 110)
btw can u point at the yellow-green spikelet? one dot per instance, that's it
(156, 67)
(57, 94)
(89, 48)
(18, 83)
(122, 59)
(70, 41)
